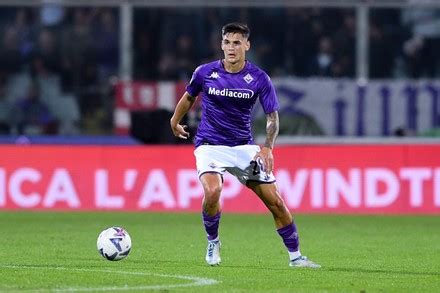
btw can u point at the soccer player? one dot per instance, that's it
(229, 89)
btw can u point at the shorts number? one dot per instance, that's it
(255, 167)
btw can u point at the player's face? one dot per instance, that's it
(234, 46)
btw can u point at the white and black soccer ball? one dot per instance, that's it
(114, 243)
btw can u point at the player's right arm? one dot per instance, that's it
(183, 106)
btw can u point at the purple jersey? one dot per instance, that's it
(227, 101)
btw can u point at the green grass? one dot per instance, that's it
(57, 251)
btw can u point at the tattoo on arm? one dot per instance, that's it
(272, 128)
(190, 99)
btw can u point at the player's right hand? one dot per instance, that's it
(179, 131)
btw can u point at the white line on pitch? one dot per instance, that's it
(197, 281)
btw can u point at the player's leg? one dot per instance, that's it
(212, 186)
(286, 228)
(271, 198)
(211, 162)
(268, 193)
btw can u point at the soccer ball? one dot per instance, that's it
(114, 243)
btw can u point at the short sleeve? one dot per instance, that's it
(268, 97)
(195, 84)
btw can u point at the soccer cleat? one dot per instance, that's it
(213, 253)
(303, 262)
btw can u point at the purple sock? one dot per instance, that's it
(211, 225)
(290, 237)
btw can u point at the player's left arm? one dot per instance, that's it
(183, 106)
(272, 128)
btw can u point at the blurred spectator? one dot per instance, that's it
(80, 61)
(266, 53)
(167, 67)
(211, 22)
(46, 57)
(34, 116)
(51, 14)
(22, 26)
(77, 45)
(299, 41)
(381, 53)
(8, 112)
(11, 60)
(89, 95)
(345, 41)
(106, 45)
(145, 57)
(290, 50)
(185, 58)
(321, 64)
(80, 46)
(213, 47)
(422, 48)
(146, 49)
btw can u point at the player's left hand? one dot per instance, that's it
(180, 131)
(266, 156)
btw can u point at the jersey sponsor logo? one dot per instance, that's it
(233, 93)
(248, 78)
(214, 75)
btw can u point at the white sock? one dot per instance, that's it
(216, 239)
(294, 255)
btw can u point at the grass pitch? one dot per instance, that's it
(44, 252)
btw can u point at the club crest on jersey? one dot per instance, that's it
(248, 78)
(214, 75)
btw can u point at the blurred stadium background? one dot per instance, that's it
(358, 83)
(80, 58)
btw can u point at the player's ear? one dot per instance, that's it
(222, 44)
(248, 45)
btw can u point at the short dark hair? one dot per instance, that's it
(236, 27)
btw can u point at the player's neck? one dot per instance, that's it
(233, 67)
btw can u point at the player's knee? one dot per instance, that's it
(212, 194)
(277, 206)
